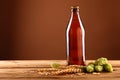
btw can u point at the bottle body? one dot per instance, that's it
(75, 35)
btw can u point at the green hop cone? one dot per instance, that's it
(90, 69)
(98, 68)
(91, 64)
(55, 65)
(108, 67)
(101, 61)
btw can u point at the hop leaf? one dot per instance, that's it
(83, 69)
(55, 65)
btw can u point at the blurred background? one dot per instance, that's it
(35, 29)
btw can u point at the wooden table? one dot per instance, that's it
(27, 70)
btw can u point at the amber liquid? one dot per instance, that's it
(75, 41)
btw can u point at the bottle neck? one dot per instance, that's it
(75, 13)
(75, 10)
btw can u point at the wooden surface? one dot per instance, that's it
(27, 70)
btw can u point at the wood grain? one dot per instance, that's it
(31, 73)
(28, 70)
(30, 63)
(42, 63)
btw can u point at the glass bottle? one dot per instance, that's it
(75, 35)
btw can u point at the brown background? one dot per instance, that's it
(35, 29)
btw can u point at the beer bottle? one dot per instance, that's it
(75, 35)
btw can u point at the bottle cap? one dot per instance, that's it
(74, 7)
